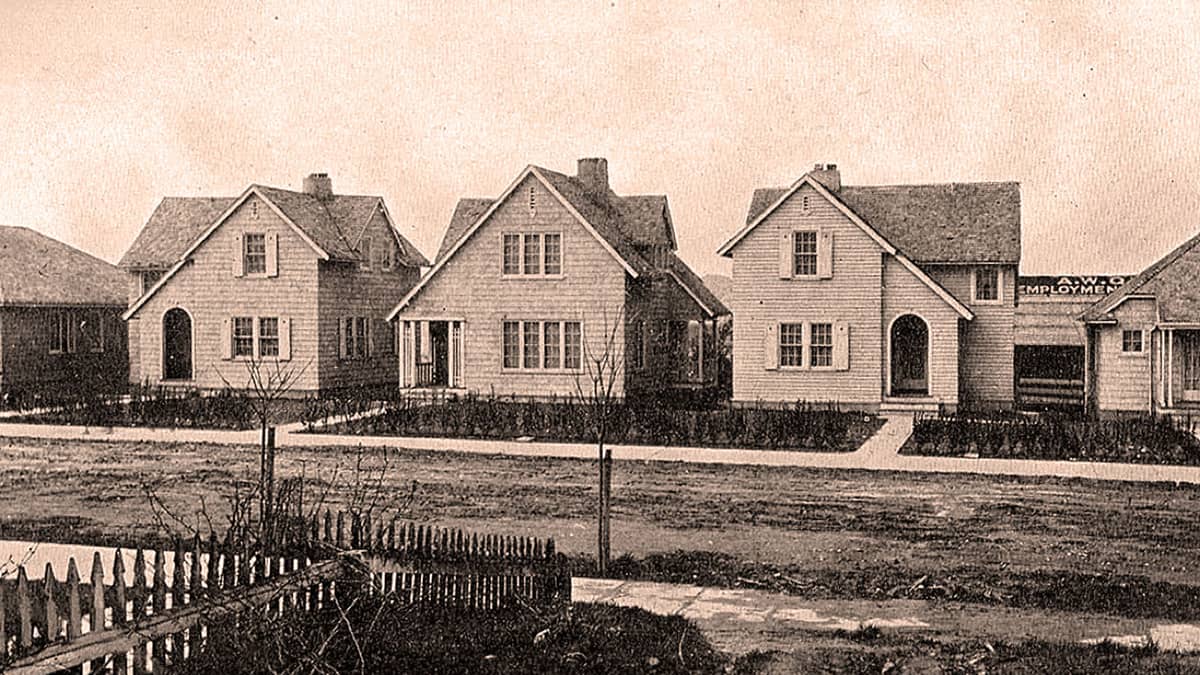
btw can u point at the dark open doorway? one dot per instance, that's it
(177, 345)
(910, 356)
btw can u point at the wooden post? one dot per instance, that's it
(3, 627)
(96, 615)
(603, 552)
(159, 605)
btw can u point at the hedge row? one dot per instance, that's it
(796, 427)
(1143, 439)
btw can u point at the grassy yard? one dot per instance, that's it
(1124, 548)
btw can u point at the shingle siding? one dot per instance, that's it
(27, 363)
(1123, 380)
(986, 367)
(761, 299)
(470, 287)
(904, 293)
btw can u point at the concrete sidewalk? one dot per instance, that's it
(879, 453)
(739, 620)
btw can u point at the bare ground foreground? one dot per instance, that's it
(1125, 549)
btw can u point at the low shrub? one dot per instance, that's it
(1140, 439)
(802, 426)
(147, 406)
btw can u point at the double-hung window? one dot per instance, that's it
(354, 338)
(268, 337)
(243, 336)
(820, 350)
(804, 254)
(532, 254)
(791, 345)
(254, 253)
(542, 345)
(63, 333)
(987, 284)
(364, 253)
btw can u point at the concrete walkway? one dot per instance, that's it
(739, 620)
(879, 453)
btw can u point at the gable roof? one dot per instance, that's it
(332, 225)
(941, 223)
(695, 287)
(625, 225)
(807, 179)
(37, 270)
(1171, 280)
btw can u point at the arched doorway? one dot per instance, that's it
(910, 356)
(177, 345)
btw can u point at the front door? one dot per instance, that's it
(1189, 347)
(910, 356)
(439, 337)
(177, 345)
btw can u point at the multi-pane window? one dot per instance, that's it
(355, 337)
(552, 253)
(804, 254)
(512, 344)
(532, 254)
(243, 336)
(64, 333)
(637, 345)
(512, 254)
(268, 337)
(254, 252)
(820, 349)
(551, 345)
(364, 251)
(987, 284)
(791, 344)
(1132, 341)
(1190, 348)
(362, 336)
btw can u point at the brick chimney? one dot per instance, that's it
(827, 175)
(319, 185)
(593, 173)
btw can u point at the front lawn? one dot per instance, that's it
(799, 427)
(1142, 439)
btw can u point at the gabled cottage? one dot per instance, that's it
(60, 318)
(272, 275)
(1143, 340)
(893, 297)
(557, 272)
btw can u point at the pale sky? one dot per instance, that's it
(105, 108)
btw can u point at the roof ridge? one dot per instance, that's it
(946, 184)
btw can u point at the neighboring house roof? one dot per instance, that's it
(774, 198)
(942, 223)
(628, 226)
(1171, 280)
(37, 270)
(334, 225)
(331, 225)
(695, 287)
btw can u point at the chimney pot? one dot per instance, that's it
(318, 185)
(593, 173)
(828, 175)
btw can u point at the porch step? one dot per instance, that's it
(909, 405)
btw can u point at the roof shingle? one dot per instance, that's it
(1171, 280)
(38, 270)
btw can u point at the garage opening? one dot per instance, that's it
(1049, 377)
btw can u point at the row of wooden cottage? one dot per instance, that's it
(880, 297)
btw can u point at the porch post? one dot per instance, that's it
(451, 353)
(1170, 367)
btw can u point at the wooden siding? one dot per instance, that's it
(1051, 320)
(208, 290)
(25, 341)
(762, 299)
(986, 350)
(655, 301)
(904, 293)
(346, 290)
(470, 287)
(1123, 380)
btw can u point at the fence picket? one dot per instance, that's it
(158, 606)
(24, 609)
(74, 609)
(50, 605)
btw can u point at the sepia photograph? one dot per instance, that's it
(706, 337)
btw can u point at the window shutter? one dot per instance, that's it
(226, 339)
(272, 254)
(825, 255)
(785, 255)
(238, 261)
(341, 338)
(841, 345)
(771, 347)
(285, 339)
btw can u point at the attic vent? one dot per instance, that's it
(804, 203)
(532, 201)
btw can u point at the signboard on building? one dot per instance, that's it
(1069, 285)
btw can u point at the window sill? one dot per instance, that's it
(1131, 355)
(985, 303)
(541, 371)
(532, 277)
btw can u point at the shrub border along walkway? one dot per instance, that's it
(879, 453)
